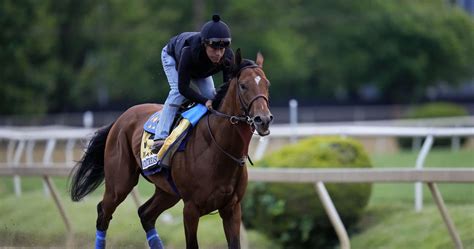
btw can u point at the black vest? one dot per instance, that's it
(177, 43)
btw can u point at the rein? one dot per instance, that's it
(233, 119)
(240, 161)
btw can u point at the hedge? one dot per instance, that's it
(292, 213)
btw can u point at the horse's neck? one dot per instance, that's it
(231, 106)
(230, 103)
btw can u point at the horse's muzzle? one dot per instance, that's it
(262, 124)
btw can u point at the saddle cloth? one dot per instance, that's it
(154, 163)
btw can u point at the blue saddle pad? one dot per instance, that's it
(195, 114)
(152, 122)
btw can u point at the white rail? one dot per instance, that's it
(20, 137)
(279, 131)
(21, 143)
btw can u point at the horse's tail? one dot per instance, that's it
(88, 174)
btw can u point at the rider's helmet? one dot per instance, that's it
(216, 33)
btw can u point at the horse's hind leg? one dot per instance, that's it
(150, 211)
(116, 190)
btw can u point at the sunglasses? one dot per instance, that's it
(218, 42)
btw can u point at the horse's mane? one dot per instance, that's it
(221, 92)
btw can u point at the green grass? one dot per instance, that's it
(452, 193)
(390, 221)
(436, 158)
(33, 220)
(398, 226)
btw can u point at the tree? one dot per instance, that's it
(125, 66)
(320, 48)
(26, 62)
(74, 55)
(400, 47)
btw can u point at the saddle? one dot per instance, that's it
(188, 116)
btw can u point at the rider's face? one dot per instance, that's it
(214, 54)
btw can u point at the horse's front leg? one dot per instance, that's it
(191, 220)
(231, 217)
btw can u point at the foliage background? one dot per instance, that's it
(74, 55)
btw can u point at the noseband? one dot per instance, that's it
(236, 119)
(246, 108)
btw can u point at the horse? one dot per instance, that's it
(209, 175)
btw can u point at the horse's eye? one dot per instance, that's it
(243, 87)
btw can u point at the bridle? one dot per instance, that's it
(245, 108)
(233, 119)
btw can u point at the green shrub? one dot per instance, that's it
(437, 110)
(292, 213)
(434, 110)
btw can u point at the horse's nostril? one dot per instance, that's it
(271, 118)
(257, 120)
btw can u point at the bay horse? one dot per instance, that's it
(209, 175)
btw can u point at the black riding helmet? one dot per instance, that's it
(216, 33)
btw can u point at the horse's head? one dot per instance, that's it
(253, 90)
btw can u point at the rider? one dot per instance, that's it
(193, 57)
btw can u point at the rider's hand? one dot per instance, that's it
(209, 104)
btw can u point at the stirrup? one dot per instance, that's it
(157, 146)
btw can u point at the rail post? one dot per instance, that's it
(333, 215)
(438, 198)
(420, 161)
(294, 119)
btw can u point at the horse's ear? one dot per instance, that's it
(259, 60)
(238, 57)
